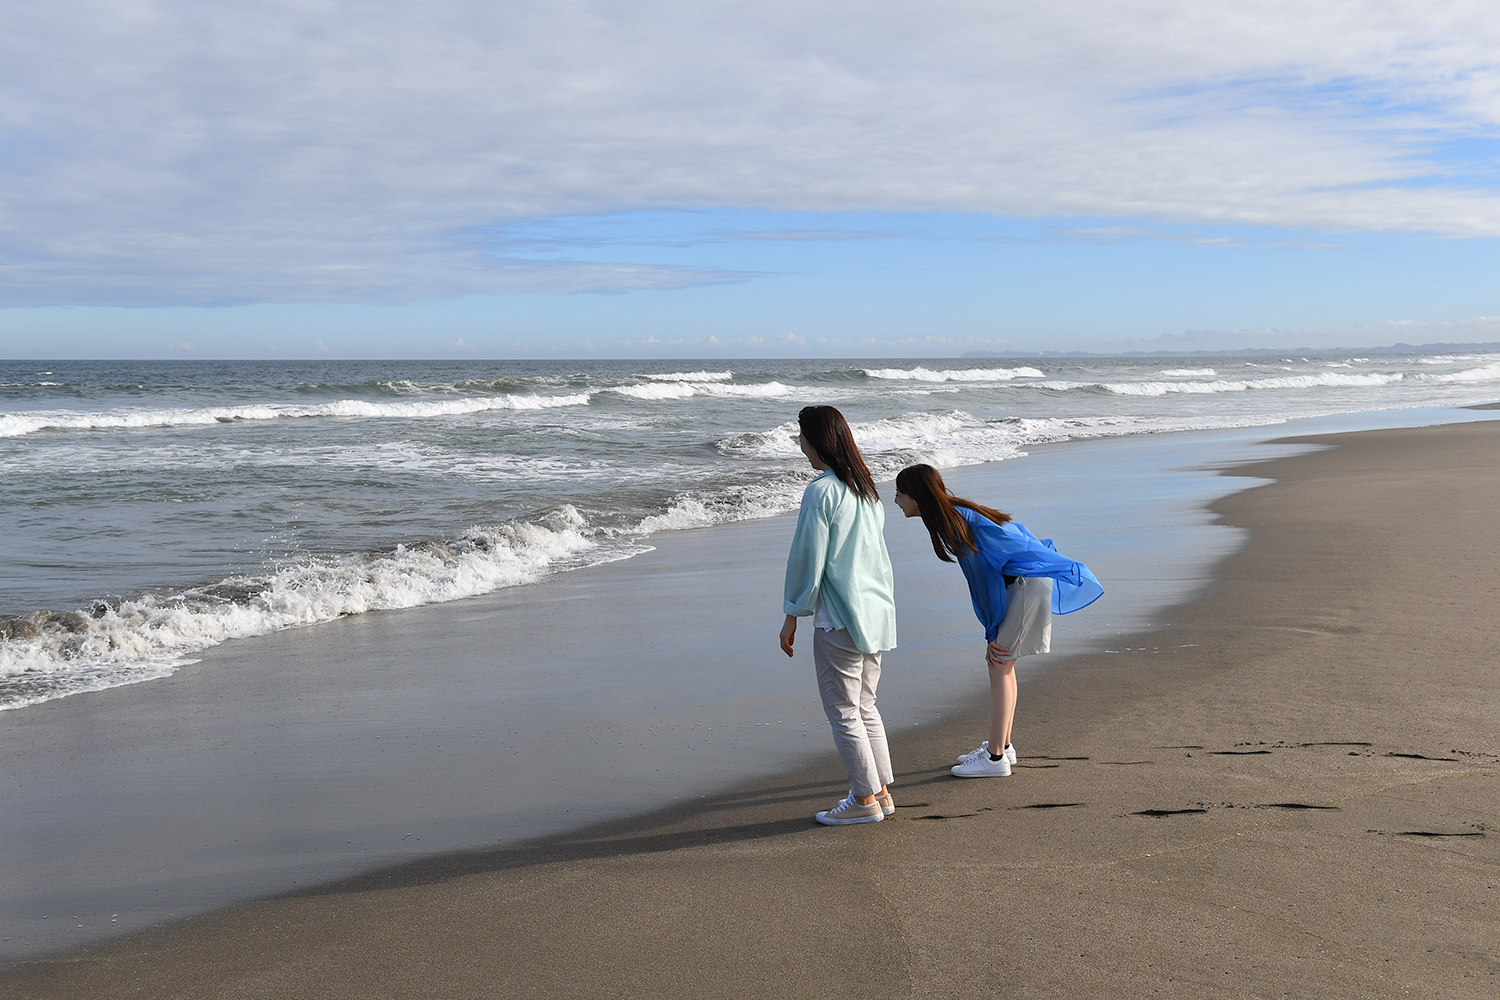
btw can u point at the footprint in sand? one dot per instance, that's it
(955, 815)
(1435, 833)
(1297, 805)
(1158, 813)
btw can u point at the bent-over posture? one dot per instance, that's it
(1016, 581)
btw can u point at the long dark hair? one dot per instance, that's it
(950, 532)
(828, 432)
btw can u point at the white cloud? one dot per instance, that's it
(161, 152)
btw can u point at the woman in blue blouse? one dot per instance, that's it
(839, 573)
(1017, 582)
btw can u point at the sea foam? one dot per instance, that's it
(692, 377)
(1154, 388)
(1487, 373)
(682, 389)
(51, 654)
(17, 424)
(921, 374)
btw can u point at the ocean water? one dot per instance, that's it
(151, 510)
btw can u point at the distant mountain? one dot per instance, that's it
(1245, 352)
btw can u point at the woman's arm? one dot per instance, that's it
(804, 565)
(808, 557)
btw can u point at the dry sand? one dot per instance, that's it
(1291, 790)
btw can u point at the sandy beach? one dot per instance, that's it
(308, 755)
(1289, 788)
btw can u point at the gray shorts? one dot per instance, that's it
(1027, 628)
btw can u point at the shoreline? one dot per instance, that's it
(1060, 680)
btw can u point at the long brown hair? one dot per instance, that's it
(828, 432)
(950, 532)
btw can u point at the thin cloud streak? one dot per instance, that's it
(163, 152)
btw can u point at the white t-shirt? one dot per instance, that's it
(821, 618)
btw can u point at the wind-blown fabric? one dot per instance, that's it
(1011, 550)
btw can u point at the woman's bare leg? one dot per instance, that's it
(1002, 703)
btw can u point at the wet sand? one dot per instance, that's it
(292, 759)
(1292, 787)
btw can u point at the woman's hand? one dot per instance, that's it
(788, 634)
(996, 654)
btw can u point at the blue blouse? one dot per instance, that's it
(1010, 550)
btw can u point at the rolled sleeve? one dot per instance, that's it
(808, 559)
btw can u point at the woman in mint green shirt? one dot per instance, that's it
(839, 573)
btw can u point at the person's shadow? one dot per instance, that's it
(697, 824)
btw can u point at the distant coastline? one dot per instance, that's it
(1248, 352)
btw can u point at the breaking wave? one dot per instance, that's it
(677, 389)
(1322, 379)
(1488, 373)
(51, 654)
(692, 377)
(18, 424)
(921, 374)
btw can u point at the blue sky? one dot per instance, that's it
(709, 179)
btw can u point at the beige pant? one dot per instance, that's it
(847, 680)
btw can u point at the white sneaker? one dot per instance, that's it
(984, 748)
(849, 812)
(887, 804)
(980, 766)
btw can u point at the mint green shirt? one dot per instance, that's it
(838, 554)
